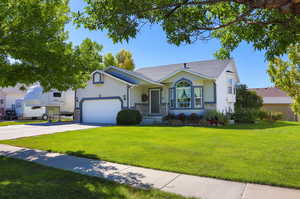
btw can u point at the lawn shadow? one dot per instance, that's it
(97, 168)
(32, 181)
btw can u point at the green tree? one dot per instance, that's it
(109, 60)
(246, 99)
(125, 60)
(34, 47)
(286, 75)
(269, 25)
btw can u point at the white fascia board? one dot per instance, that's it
(277, 100)
(188, 71)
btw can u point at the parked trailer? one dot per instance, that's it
(30, 112)
(56, 103)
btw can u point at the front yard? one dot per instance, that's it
(259, 153)
(25, 180)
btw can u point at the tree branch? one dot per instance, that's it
(285, 6)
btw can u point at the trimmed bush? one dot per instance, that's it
(169, 117)
(211, 115)
(129, 117)
(246, 115)
(262, 114)
(273, 116)
(223, 118)
(181, 117)
(214, 117)
(194, 117)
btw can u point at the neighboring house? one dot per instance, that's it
(276, 100)
(156, 91)
(9, 95)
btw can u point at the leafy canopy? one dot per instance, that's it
(123, 59)
(286, 75)
(34, 47)
(269, 25)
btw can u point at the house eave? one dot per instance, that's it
(188, 71)
(134, 75)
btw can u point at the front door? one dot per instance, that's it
(154, 101)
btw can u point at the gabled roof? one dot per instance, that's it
(111, 76)
(269, 92)
(184, 70)
(135, 74)
(209, 69)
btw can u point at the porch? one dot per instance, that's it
(144, 109)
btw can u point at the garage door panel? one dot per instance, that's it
(101, 111)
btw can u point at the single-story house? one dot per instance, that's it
(156, 91)
(276, 100)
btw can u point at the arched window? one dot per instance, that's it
(97, 78)
(183, 94)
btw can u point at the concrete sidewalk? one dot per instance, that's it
(186, 185)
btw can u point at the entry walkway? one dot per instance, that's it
(186, 185)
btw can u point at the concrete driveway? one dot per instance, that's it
(18, 131)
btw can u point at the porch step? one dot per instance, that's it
(150, 120)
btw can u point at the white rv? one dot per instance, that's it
(30, 112)
(54, 101)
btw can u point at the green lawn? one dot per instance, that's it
(258, 153)
(25, 180)
(8, 123)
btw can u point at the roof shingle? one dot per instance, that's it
(269, 92)
(210, 68)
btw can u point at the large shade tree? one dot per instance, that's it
(34, 46)
(269, 25)
(285, 74)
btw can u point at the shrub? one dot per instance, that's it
(181, 117)
(246, 115)
(129, 117)
(168, 117)
(194, 117)
(211, 115)
(262, 114)
(273, 116)
(215, 117)
(223, 118)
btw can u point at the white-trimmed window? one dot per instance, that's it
(183, 94)
(171, 97)
(230, 86)
(97, 78)
(198, 97)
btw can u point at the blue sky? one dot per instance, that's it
(150, 48)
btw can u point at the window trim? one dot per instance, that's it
(230, 86)
(202, 97)
(190, 87)
(192, 96)
(101, 78)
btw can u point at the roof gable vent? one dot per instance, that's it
(185, 66)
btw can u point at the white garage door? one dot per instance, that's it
(103, 111)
